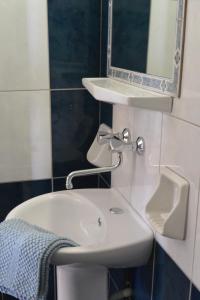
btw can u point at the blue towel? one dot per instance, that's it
(25, 254)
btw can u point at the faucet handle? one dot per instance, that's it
(120, 142)
(124, 143)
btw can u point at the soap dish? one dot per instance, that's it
(167, 209)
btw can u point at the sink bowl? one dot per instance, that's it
(108, 230)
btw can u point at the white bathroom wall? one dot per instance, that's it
(25, 147)
(138, 176)
(179, 152)
(172, 140)
(25, 136)
(24, 48)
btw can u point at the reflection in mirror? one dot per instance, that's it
(144, 36)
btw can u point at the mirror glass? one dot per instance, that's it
(144, 34)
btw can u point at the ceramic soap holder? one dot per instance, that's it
(100, 155)
(167, 209)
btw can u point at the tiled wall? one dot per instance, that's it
(172, 140)
(47, 119)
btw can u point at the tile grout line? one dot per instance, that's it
(111, 279)
(98, 182)
(194, 246)
(42, 90)
(181, 119)
(98, 178)
(161, 139)
(105, 181)
(59, 177)
(25, 180)
(51, 136)
(52, 184)
(55, 283)
(100, 37)
(48, 44)
(51, 139)
(190, 291)
(153, 271)
(68, 89)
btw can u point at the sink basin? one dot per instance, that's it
(108, 230)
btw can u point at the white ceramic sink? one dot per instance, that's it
(108, 239)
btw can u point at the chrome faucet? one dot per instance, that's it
(118, 143)
(94, 171)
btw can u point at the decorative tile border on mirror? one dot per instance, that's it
(159, 84)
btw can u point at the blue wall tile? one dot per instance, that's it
(142, 281)
(195, 294)
(117, 280)
(74, 39)
(105, 180)
(12, 194)
(139, 279)
(106, 115)
(169, 281)
(75, 121)
(52, 286)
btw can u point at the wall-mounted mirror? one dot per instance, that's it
(145, 43)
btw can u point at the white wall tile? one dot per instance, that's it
(122, 178)
(138, 176)
(145, 179)
(25, 138)
(24, 45)
(180, 151)
(188, 106)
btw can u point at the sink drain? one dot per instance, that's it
(116, 211)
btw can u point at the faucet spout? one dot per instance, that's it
(94, 171)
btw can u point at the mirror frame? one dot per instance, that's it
(155, 83)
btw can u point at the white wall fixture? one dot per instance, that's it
(115, 92)
(99, 154)
(167, 209)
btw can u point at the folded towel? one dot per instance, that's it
(25, 254)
